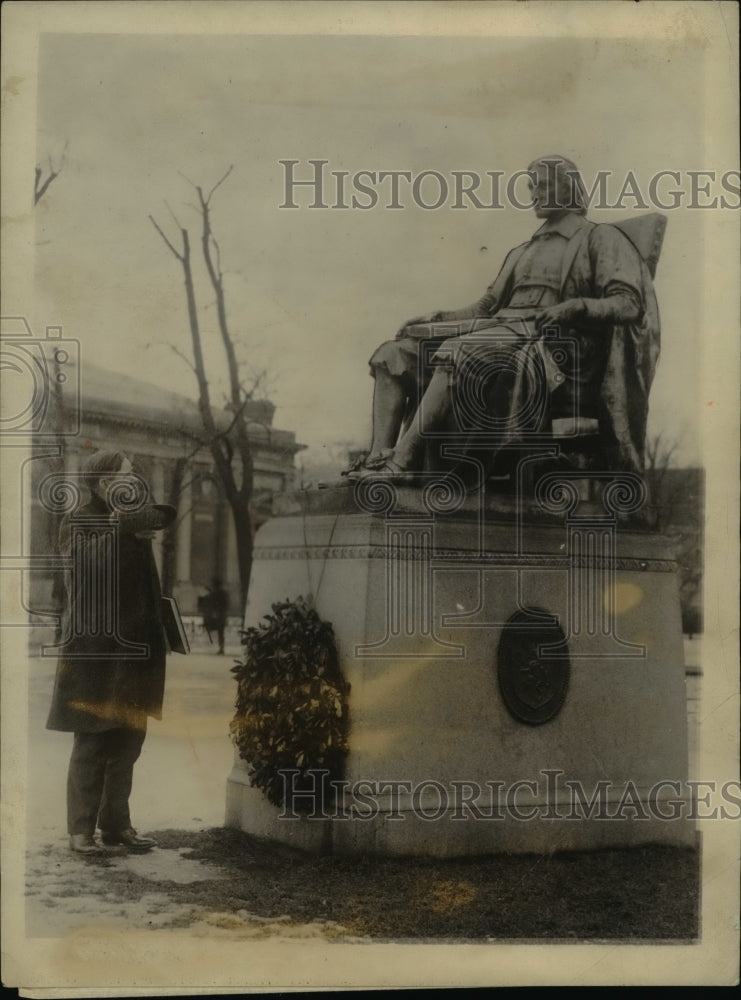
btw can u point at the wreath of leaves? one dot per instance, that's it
(291, 706)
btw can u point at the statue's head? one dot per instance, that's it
(556, 186)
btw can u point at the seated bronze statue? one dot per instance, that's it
(566, 335)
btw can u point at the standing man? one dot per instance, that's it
(111, 670)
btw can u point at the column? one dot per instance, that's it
(157, 487)
(231, 563)
(185, 519)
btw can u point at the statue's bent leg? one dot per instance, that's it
(501, 398)
(476, 382)
(389, 408)
(432, 412)
(395, 367)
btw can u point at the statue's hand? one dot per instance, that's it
(561, 314)
(433, 317)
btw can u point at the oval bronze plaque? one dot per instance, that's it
(533, 675)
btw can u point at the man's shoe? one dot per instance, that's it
(128, 838)
(83, 843)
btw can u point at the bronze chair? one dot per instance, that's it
(578, 437)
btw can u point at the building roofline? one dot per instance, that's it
(181, 418)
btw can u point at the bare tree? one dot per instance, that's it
(230, 446)
(676, 505)
(663, 497)
(41, 181)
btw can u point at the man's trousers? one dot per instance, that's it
(99, 780)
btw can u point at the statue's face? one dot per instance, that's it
(547, 191)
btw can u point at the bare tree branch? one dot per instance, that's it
(185, 178)
(172, 248)
(218, 258)
(173, 216)
(228, 343)
(41, 187)
(237, 416)
(183, 357)
(258, 378)
(219, 183)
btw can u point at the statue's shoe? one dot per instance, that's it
(331, 484)
(388, 472)
(368, 462)
(355, 466)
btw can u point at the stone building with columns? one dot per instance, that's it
(161, 431)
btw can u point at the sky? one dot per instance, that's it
(311, 293)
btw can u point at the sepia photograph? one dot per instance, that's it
(369, 447)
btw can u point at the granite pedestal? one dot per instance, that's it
(516, 672)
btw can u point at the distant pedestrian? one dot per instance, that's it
(111, 670)
(215, 609)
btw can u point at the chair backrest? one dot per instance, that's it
(646, 233)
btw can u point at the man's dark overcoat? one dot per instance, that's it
(100, 683)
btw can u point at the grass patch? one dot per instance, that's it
(647, 893)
